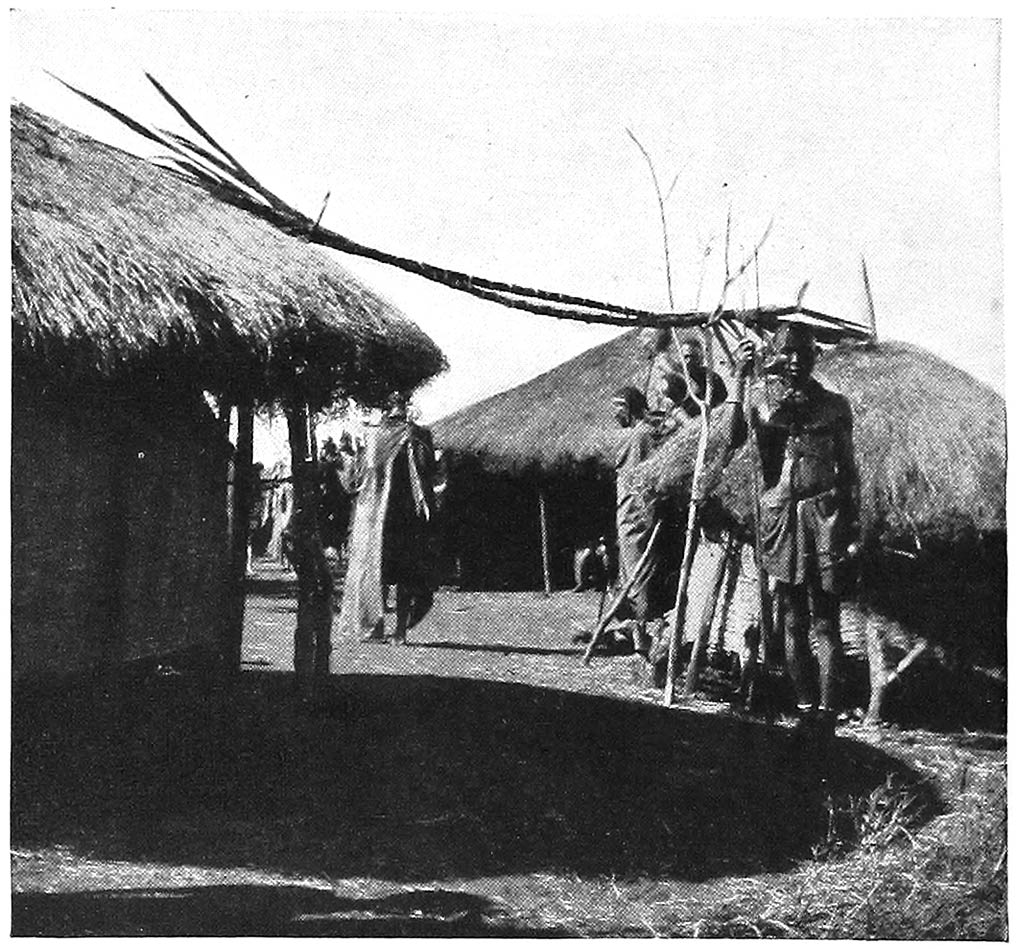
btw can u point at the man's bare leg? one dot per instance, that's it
(798, 659)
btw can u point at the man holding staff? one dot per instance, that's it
(809, 505)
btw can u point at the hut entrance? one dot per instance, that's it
(518, 532)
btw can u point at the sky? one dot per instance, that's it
(497, 145)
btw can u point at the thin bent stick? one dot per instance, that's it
(239, 170)
(661, 211)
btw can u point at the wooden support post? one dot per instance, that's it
(678, 627)
(313, 634)
(707, 619)
(545, 562)
(242, 498)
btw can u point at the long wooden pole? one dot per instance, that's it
(545, 563)
(693, 520)
(762, 582)
(710, 607)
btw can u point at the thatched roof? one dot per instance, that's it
(555, 422)
(120, 268)
(929, 437)
(929, 443)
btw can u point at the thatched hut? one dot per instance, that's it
(552, 437)
(138, 300)
(929, 440)
(930, 447)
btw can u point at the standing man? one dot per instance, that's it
(391, 541)
(634, 513)
(674, 388)
(809, 505)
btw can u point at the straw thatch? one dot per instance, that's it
(121, 269)
(554, 423)
(929, 444)
(929, 437)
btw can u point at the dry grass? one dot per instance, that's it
(121, 266)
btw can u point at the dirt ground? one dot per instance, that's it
(483, 781)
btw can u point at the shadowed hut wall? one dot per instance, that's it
(493, 526)
(175, 582)
(118, 535)
(63, 597)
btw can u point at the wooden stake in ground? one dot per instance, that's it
(880, 678)
(542, 505)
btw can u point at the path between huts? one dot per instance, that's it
(483, 781)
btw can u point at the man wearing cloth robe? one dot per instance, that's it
(391, 540)
(635, 515)
(809, 505)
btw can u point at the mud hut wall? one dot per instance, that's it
(63, 595)
(492, 534)
(176, 576)
(119, 545)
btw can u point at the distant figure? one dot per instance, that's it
(391, 543)
(336, 502)
(257, 518)
(350, 466)
(635, 517)
(592, 566)
(809, 505)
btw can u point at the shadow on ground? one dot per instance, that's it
(258, 910)
(413, 778)
(504, 649)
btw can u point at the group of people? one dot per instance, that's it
(808, 498)
(808, 506)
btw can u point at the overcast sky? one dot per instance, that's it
(497, 146)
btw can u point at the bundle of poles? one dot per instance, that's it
(207, 164)
(727, 329)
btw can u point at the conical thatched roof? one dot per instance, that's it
(929, 437)
(121, 268)
(929, 444)
(555, 422)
